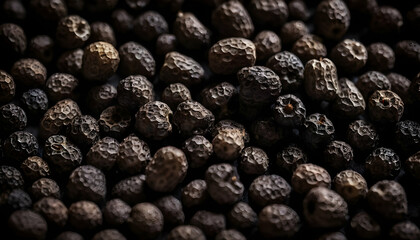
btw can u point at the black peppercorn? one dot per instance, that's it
(130, 190)
(289, 68)
(349, 102)
(407, 136)
(209, 222)
(362, 135)
(228, 144)
(405, 230)
(12, 40)
(365, 226)
(383, 163)
(289, 111)
(186, 232)
(109, 234)
(351, 186)
(269, 12)
(101, 31)
(100, 61)
(101, 97)
(220, 99)
(385, 106)
(12, 118)
(121, 21)
(412, 166)
(133, 155)
(230, 234)
(171, 209)
(71, 62)
(13, 10)
(179, 68)
(298, 10)
(290, 158)
(62, 154)
(72, 32)
(14, 200)
(338, 155)
(194, 193)
(332, 19)
(242, 216)
(135, 91)
(45, 187)
(253, 161)
(145, 221)
(308, 176)
(153, 120)
(29, 73)
(60, 86)
(193, 118)
(115, 121)
(386, 20)
(318, 131)
(10, 178)
(293, 30)
(278, 221)
(381, 57)
(68, 235)
(267, 43)
(349, 56)
(165, 43)
(174, 94)
(309, 47)
(137, 4)
(35, 102)
(87, 183)
(84, 215)
(190, 32)
(34, 168)
(321, 81)
(198, 151)
(149, 25)
(41, 47)
(407, 53)
(269, 189)
(51, 10)
(7, 87)
(401, 86)
(231, 19)
(116, 212)
(136, 59)
(372, 81)
(53, 210)
(26, 224)
(266, 132)
(84, 131)
(103, 154)
(19, 146)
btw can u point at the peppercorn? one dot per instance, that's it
(12, 40)
(137, 4)
(412, 166)
(60, 86)
(364, 7)
(372, 81)
(269, 12)
(349, 102)
(231, 19)
(35, 102)
(278, 221)
(332, 236)
(324, 208)
(84, 215)
(198, 151)
(26, 224)
(269, 189)
(103, 154)
(293, 30)
(386, 21)
(365, 226)
(71, 62)
(116, 212)
(289, 69)
(290, 158)
(228, 144)
(193, 118)
(29, 73)
(14, 200)
(338, 155)
(266, 132)
(381, 57)
(122, 21)
(58, 116)
(194, 193)
(84, 131)
(186, 232)
(289, 111)
(220, 99)
(351, 186)
(179, 68)
(298, 10)
(308, 176)
(229, 55)
(209, 222)
(7, 87)
(404, 230)
(407, 53)
(385, 106)
(407, 136)
(146, 221)
(68, 235)
(171, 209)
(136, 59)
(14, 10)
(130, 190)
(383, 163)
(12, 118)
(49, 10)
(19, 146)
(400, 85)
(414, 89)
(34, 168)
(165, 43)
(10, 178)
(242, 216)
(267, 43)
(349, 55)
(62, 154)
(190, 32)
(253, 161)
(101, 97)
(153, 120)
(109, 234)
(115, 121)
(72, 32)
(321, 81)
(362, 135)
(309, 47)
(133, 155)
(223, 184)
(224, 125)
(41, 47)
(318, 131)
(332, 19)
(149, 25)
(45, 187)
(101, 31)
(87, 183)
(230, 234)
(53, 210)
(100, 61)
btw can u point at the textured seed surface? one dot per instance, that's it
(405, 230)
(332, 19)
(254, 160)
(381, 57)
(87, 183)
(230, 234)
(351, 186)
(72, 32)
(292, 31)
(269, 189)
(35, 101)
(133, 155)
(318, 132)
(136, 59)
(131, 190)
(13, 37)
(12, 118)
(135, 91)
(386, 20)
(114, 121)
(228, 144)
(85, 215)
(146, 220)
(100, 61)
(45, 187)
(209, 222)
(309, 47)
(149, 25)
(194, 193)
(53, 210)
(308, 176)
(101, 31)
(20, 145)
(34, 168)
(290, 158)
(321, 82)
(29, 72)
(338, 155)
(10, 178)
(103, 154)
(198, 150)
(371, 81)
(267, 43)
(385, 105)
(60, 86)
(71, 62)
(289, 111)
(231, 19)
(242, 216)
(383, 163)
(27, 224)
(278, 221)
(186, 232)
(153, 120)
(101, 97)
(7, 87)
(166, 43)
(171, 209)
(62, 154)
(179, 68)
(190, 32)
(289, 68)
(349, 101)
(349, 55)
(41, 47)
(220, 99)
(269, 12)
(362, 135)
(84, 130)
(193, 118)
(116, 212)
(365, 226)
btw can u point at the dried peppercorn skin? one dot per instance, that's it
(103, 154)
(12, 118)
(278, 220)
(194, 193)
(134, 91)
(289, 68)
(84, 215)
(153, 120)
(371, 81)
(190, 32)
(349, 55)
(19, 146)
(308, 176)
(383, 163)
(269, 12)
(198, 150)
(133, 155)
(34, 168)
(72, 32)
(385, 106)
(146, 220)
(349, 179)
(100, 61)
(332, 19)
(269, 189)
(71, 62)
(115, 121)
(179, 68)
(231, 19)
(63, 155)
(193, 118)
(309, 47)
(87, 183)
(29, 73)
(10, 178)
(321, 81)
(318, 131)
(136, 60)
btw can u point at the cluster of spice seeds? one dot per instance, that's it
(209, 119)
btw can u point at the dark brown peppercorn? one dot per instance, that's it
(400, 85)
(308, 176)
(167, 169)
(115, 121)
(135, 91)
(223, 184)
(12, 39)
(41, 47)
(130, 190)
(101, 97)
(171, 209)
(109, 234)
(87, 183)
(72, 32)
(386, 20)
(12, 118)
(62, 154)
(269, 189)
(408, 53)
(35, 102)
(332, 19)
(229, 124)
(209, 222)
(289, 68)
(116, 212)
(153, 120)
(349, 102)
(229, 55)
(362, 135)
(146, 221)
(412, 166)
(338, 155)
(45, 187)
(137, 4)
(278, 221)
(365, 226)
(165, 43)
(290, 158)
(253, 161)
(383, 163)
(298, 10)
(149, 25)
(230, 234)
(388, 200)
(194, 193)
(179, 68)
(193, 118)
(309, 47)
(372, 81)
(267, 43)
(14, 10)
(84, 131)
(292, 31)
(349, 55)
(231, 19)
(19, 146)
(133, 155)
(385, 106)
(26, 224)
(10, 178)
(324, 208)
(7, 87)
(321, 81)
(51, 10)
(318, 131)
(241, 216)
(100, 61)
(103, 154)
(68, 235)
(289, 111)
(362, 6)
(351, 186)
(190, 32)
(405, 230)
(34, 168)
(121, 21)
(266, 132)
(186, 232)
(71, 62)
(381, 57)
(136, 59)
(29, 73)
(198, 151)
(84, 215)
(14, 200)
(269, 12)
(101, 31)
(53, 210)
(220, 99)
(174, 94)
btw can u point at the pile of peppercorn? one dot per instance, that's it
(209, 119)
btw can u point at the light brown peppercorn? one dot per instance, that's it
(153, 120)
(381, 57)
(71, 62)
(10, 178)
(388, 200)
(72, 32)
(267, 43)
(228, 144)
(7, 87)
(269, 189)
(165, 43)
(29, 73)
(100, 61)
(175, 94)
(149, 25)
(84, 215)
(324, 208)
(101, 97)
(41, 47)
(34, 168)
(405, 230)
(254, 161)
(209, 222)
(278, 221)
(116, 212)
(227, 124)
(273, 13)
(167, 169)
(171, 209)
(349, 55)
(242, 216)
(103, 154)
(308, 176)
(84, 131)
(115, 121)
(179, 68)
(186, 232)
(109, 234)
(290, 158)
(193, 118)
(12, 39)
(51, 10)
(53, 210)
(45, 187)
(60, 86)
(292, 31)
(190, 32)
(136, 60)
(229, 55)
(194, 193)
(133, 155)
(386, 21)
(62, 154)
(146, 221)
(223, 184)
(332, 19)
(321, 81)
(198, 151)
(26, 224)
(351, 186)
(58, 116)
(130, 190)
(231, 19)
(101, 31)
(220, 99)
(365, 226)
(385, 106)
(412, 166)
(230, 234)
(87, 183)
(309, 47)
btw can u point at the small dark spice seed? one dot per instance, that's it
(174, 94)
(122, 21)
(220, 99)
(309, 47)
(293, 30)
(400, 85)
(228, 144)
(41, 47)
(60, 86)
(35, 101)
(349, 55)
(362, 136)
(269, 189)
(72, 32)
(405, 230)
(383, 163)
(254, 161)
(412, 166)
(12, 39)
(266, 132)
(26, 224)
(109, 234)
(62, 154)
(289, 68)
(269, 12)
(103, 154)
(171, 209)
(308, 176)
(318, 131)
(289, 111)
(407, 136)
(332, 19)
(414, 89)
(230, 234)
(10, 178)
(290, 158)
(136, 60)
(149, 25)
(100, 61)
(84, 131)
(68, 235)
(101, 31)
(209, 222)
(386, 21)
(13, 10)
(338, 155)
(131, 190)
(101, 97)
(242, 216)
(133, 155)
(84, 215)
(34, 168)
(7, 87)
(231, 19)
(12, 118)
(165, 43)
(381, 57)
(267, 43)
(194, 193)
(190, 32)
(53, 210)
(87, 183)
(321, 81)
(45, 187)
(198, 151)
(71, 62)
(179, 68)
(146, 221)
(298, 10)
(186, 232)
(365, 226)
(137, 4)
(19, 146)
(29, 73)
(385, 106)
(153, 120)
(230, 124)
(193, 118)
(115, 121)
(116, 212)
(278, 221)
(49, 10)
(372, 81)
(349, 102)
(14, 200)
(407, 53)
(351, 186)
